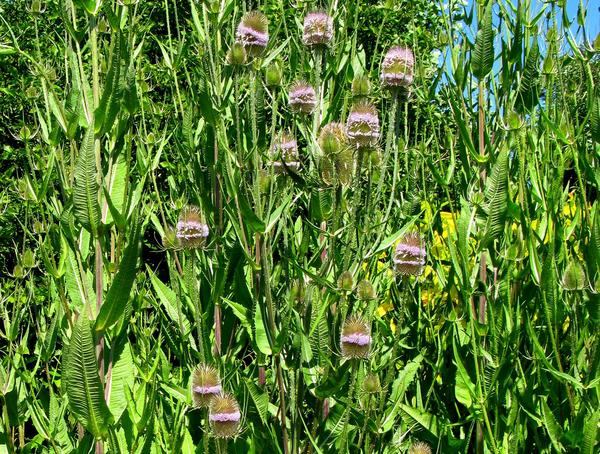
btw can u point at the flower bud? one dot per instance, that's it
(362, 125)
(169, 239)
(253, 33)
(236, 55)
(355, 341)
(366, 292)
(191, 229)
(318, 29)
(205, 385)
(361, 86)
(302, 98)
(345, 281)
(338, 160)
(397, 67)
(371, 384)
(273, 75)
(409, 256)
(224, 416)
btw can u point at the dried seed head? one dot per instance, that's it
(371, 384)
(205, 385)
(355, 341)
(236, 55)
(574, 277)
(224, 416)
(345, 281)
(362, 125)
(419, 448)
(366, 292)
(338, 159)
(191, 230)
(409, 256)
(285, 151)
(318, 29)
(302, 98)
(253, 32)
(397, 67)
(361, 86)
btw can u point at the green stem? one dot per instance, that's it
(347, 410)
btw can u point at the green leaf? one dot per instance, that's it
(118, 294)
(85, 187)
(554, 430)
(464, 389)
(123, 376)
(260, 332)
(496, 195)
(260, 399)
(590, 430)
(83, 386)
(107, 110)
(483, 54)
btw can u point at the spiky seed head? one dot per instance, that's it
(361, 86)
(371, 384)
(285, 151)
(332, 138)
(224, 416)
(410, 254)
(355, 341)
(253, 33)
(205, 385)
(236, 55)
(366, 292)
(419, 448)
(362, 125)
(345, 281)
(574, 277)
(273, 75)
(191, 231)
(302, 98)
(318, 29)
(397, 67)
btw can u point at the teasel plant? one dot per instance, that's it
(172, 289)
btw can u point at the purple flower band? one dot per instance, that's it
(250, 36)
(357, 339)
(412, 250)
(225, 417)
(207, 389)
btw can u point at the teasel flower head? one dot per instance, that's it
(224, 416)
(236, 55)
(205, 385)
(410, 254)
(285, 151)
(273, 75)
(318, 29)
(169, 239)
(253, 33)
(574, 277)
(191, 230)
(302, 98)
(338, 159)
(355, 341)
(345, 281)
(362, 125)
(361, 86)
(419, 448)
(397, 67)
(371, 384)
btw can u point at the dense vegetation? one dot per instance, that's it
(299, 226)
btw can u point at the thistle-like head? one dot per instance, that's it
(224, 416)
(205, 385)
(410, 254)
(191, 231)
(285, 151)
(362, 125)
(397, 67)
(253, 33)
(355, 341)
(302, 98)
(318, 29)
(419, 448)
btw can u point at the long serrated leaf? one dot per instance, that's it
(85, 187)
(83, 386)
(482, 59)
(118, 294)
